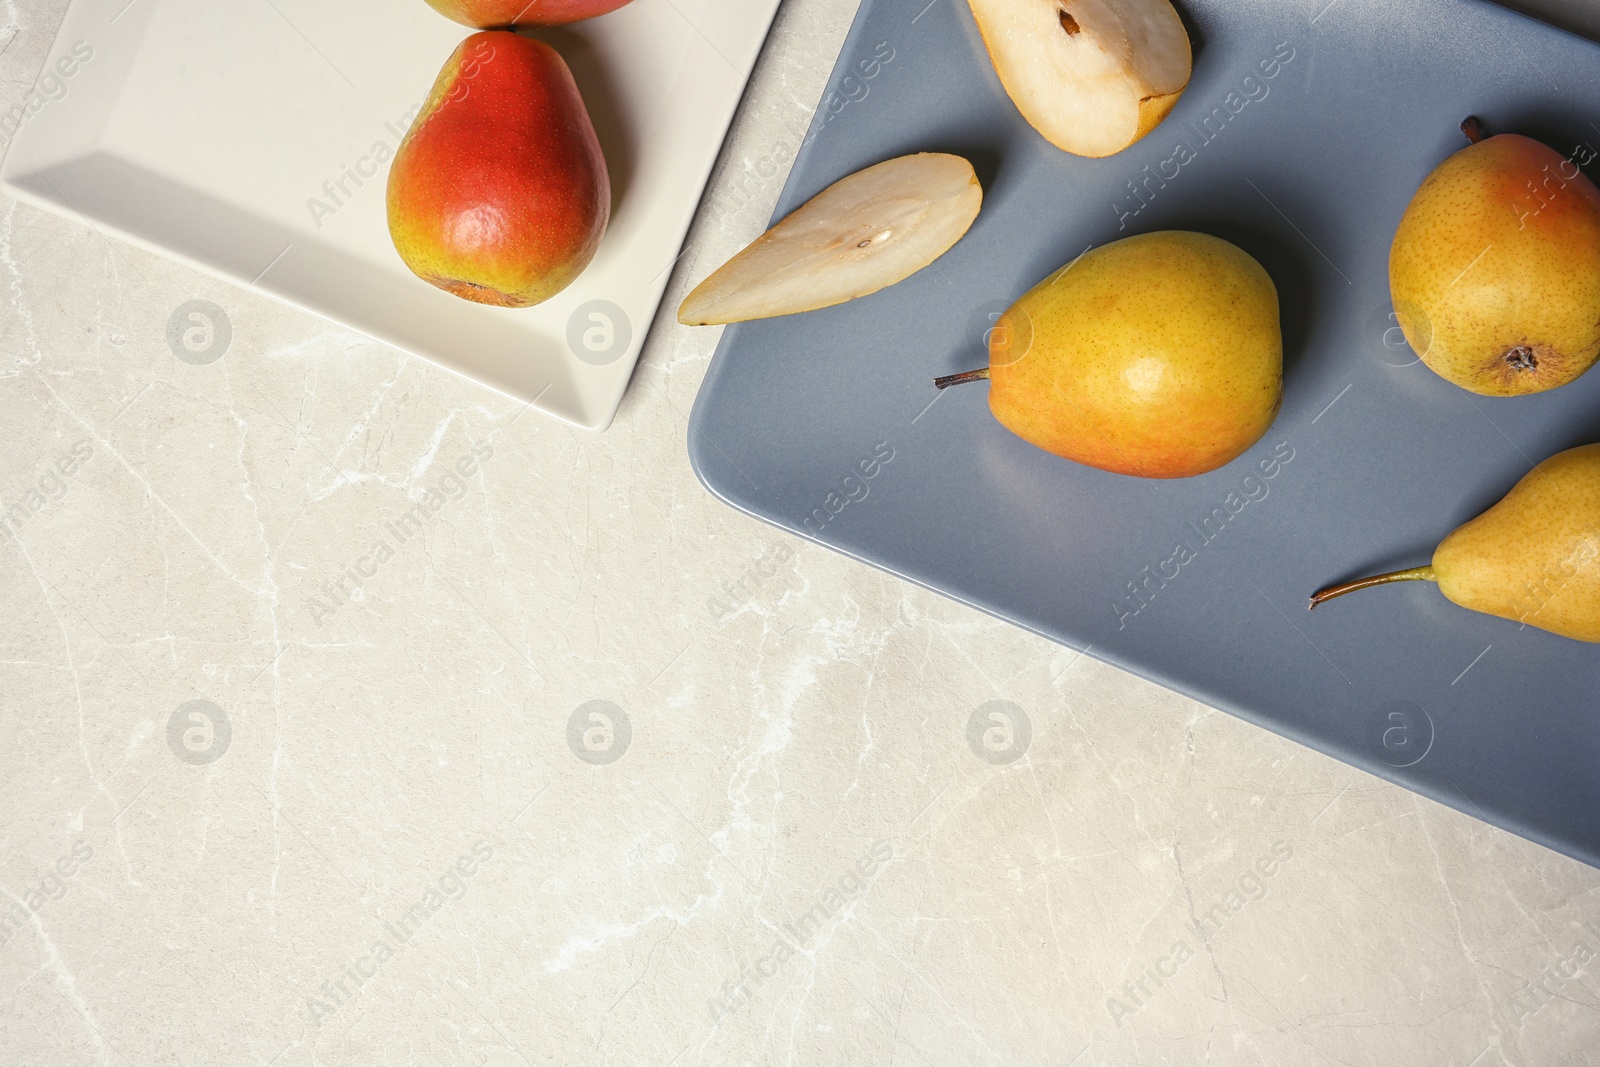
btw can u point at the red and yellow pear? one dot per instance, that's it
(501, 14)
(1495, 268)
(499, 192)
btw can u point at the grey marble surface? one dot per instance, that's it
(399, 831)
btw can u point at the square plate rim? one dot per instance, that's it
(594, 416)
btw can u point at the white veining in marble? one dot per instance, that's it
(400, 832)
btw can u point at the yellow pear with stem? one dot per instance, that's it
(1533, 558)
(1159, 356)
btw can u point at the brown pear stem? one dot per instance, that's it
(1414, 574)
(963, 378)
(1472, 126)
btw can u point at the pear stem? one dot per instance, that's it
(963, 378)
(1472, 126)
(1414, 574)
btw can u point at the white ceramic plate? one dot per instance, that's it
(249, 139)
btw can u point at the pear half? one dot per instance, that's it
(861, 234)
(1092, 76)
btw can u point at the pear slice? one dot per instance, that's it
(861, 234)
(1092, 76)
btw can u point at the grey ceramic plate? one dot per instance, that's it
(1310, 124)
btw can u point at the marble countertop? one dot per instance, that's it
(582, 766)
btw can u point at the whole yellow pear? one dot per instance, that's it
(1533, 558)
(1159, 356)
(1495, 269)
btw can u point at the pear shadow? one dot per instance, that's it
(1577, 424)
(600, 95)
(1569, 17)
(1542, 425)
(1584, 430)
(987, 161)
